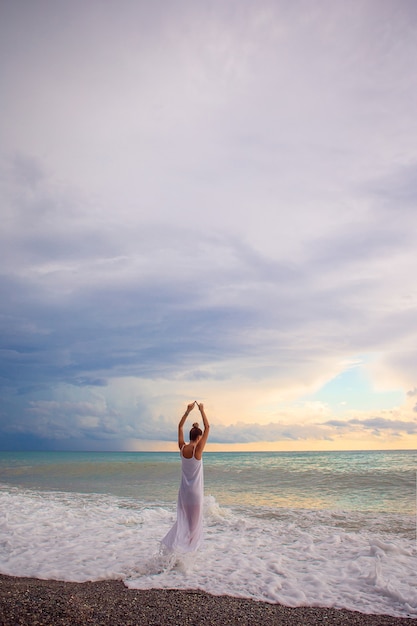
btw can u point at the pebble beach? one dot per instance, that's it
(34, 602)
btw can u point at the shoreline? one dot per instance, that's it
(31, 601)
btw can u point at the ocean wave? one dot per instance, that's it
(295, 557)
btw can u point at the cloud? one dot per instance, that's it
(272, 432)
(378, 425)
(211, 198)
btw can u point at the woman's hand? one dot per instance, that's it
(190, 407)
(200, 406)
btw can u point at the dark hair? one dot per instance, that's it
(195, 432)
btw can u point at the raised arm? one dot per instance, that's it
(181, 424)
(200, 446)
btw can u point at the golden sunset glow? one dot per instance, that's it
(213, 204)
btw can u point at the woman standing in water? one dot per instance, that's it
(186, 534)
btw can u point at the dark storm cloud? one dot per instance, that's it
(207, 196)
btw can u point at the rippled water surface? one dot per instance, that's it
(361, 481)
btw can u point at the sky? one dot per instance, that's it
(213, 201)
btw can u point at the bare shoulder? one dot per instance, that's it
(199, 451)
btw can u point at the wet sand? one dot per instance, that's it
(33, 602)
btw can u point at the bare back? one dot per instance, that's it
(191, 450)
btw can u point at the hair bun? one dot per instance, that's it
(195, 425)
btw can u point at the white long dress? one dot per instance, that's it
(187, 532)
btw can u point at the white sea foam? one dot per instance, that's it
(295, 557)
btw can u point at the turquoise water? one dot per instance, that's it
(378, 481)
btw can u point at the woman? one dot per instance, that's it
(186, 534)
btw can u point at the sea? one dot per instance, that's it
(329, 529)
